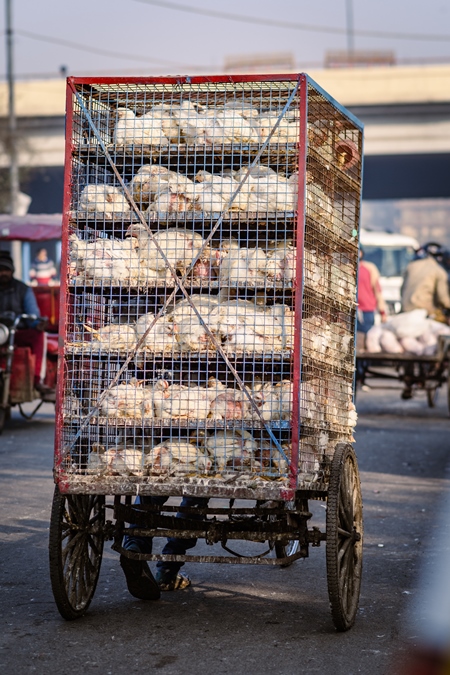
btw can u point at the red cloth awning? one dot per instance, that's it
(33, 227)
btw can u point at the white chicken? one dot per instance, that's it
(288, 130)
(152, 179)
(232, 449)
(315, 271)
(183, 310)
(182, 402)
(117, 460)
(144, 130)
(281, 262)
(114, 336)
(180, 247)
(318, 204)
(168, 201)
(342, 280)
(125, 400)
(191, 336)
(176, 456)
(126, 127)
(241, 265)
(102, 199)
(312, 401)
(316, 337)
(228, 404)
(339, 407)
(160, 338)
(110, 260)
(246, 326)
(274, 401)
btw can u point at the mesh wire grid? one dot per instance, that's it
(182, 243)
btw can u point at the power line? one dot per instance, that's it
(102, 52)
(290, 25)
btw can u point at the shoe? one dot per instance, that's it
(168, 581)
(43, 390)
(406, 394)
(140, 581)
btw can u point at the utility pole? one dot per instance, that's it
(350, 31)
(12, 128)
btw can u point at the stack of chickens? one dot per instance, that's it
(158, 190)
(192, 123)
(325, 341)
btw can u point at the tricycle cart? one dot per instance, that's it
(17, 363)
(208, 301)
(416, 373)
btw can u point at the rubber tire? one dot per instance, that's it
(344, 587)
(90, 510)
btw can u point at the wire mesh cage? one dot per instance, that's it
(210, 244)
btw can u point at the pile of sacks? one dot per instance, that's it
(410, 332)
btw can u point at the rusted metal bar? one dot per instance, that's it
(203, 533)
(241, 560)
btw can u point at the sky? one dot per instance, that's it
(141, 38)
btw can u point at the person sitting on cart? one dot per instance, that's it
(43, 270)
(18, 298)
(140, 581)
(425, 284)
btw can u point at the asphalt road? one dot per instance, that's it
(233, 619)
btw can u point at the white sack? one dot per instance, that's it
(373, 337)
(389, 343)
(408, 324)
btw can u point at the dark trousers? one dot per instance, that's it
(175, 545)
(365, 321)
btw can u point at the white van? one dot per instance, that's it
(390, 253)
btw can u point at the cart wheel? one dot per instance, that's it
(283, 550)
(448, 390)
(75, 547)
(344, 537)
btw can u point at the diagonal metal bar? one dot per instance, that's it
(180, 281)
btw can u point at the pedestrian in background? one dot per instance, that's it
(370, 297)
(42, 271)
(425, 285)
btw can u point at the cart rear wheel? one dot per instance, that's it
(76, 548)
(344, 537)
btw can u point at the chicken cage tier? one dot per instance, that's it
(210, 247)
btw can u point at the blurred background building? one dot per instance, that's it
(405, 109)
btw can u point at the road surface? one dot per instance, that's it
(233, 619)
